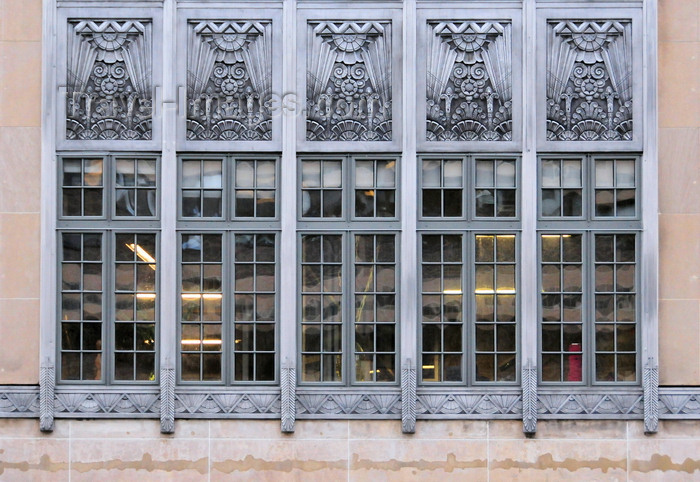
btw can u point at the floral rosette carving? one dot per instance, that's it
(349, 82)
(469, 92)
(589, 81)
(229, 81)
(109, 86)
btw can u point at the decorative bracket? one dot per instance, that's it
(651, 396)
(47, 381)
(408, 397)
(167, 400)
(529, 385)
(288, 398)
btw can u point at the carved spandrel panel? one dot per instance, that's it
(229, 81)
(348, 88)
(109, 80)
(589, 80)
(469, 81)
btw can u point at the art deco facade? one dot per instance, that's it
(365, 239)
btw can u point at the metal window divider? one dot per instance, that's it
(168, 252)
(528, 209)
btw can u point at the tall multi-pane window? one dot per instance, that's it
(468, 307)
(108, 250)
(348, 254)
(588, 258)
(228, 264)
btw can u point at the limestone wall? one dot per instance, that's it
(20, 189)
(341, 450)
(679, 191)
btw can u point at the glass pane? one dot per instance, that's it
(212, 174)
(571, 173)
(125, 172)
(364, 174)
(146, 173)
(505, 173)
(386, 174)
(190, 173)
(625, 173)
(266, 174)
(431, 173)
(484, 173)
(604, 174)
(453, 173)
(551, 176)
(72, 175)
(93, 172)
(332, 174)
(245, 174)
(311, 174)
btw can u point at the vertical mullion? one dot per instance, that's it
(288, 240)
(528, 208)
(409, 353)
(168, 238)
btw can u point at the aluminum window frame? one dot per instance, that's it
(348, 375)
(468, 364)
(108, 308)
(588, 322)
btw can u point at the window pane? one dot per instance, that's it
(81, 307)
(561, 322)
(201, 294)
(375, 286)
(442, 306)
(615, 320)
(321, 317)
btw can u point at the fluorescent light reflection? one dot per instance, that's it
(146, 296)
(142, 254)
(205, 296)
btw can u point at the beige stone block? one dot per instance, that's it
(23, 428)
(679, 170)
(263, 460)
(679, 256)
(139, 459)
(137, 429)
(34, 459)
(428, 460)
(557, 460)
(19, 332)
(679, 20)
(319, 429)
(668, 429)
(679, 84)
(20, 164)
(667, 460)
(679, 343)
(246, 429)
(20, 84)
(267, 460)
(560, 429)
(20, 20)
(425, 429)
(20, 256)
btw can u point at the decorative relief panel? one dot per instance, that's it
(226, 403)
(469, 81)
(348, 88)
(109, 80)
(229, 80)
(589, 80)
(309, 404)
